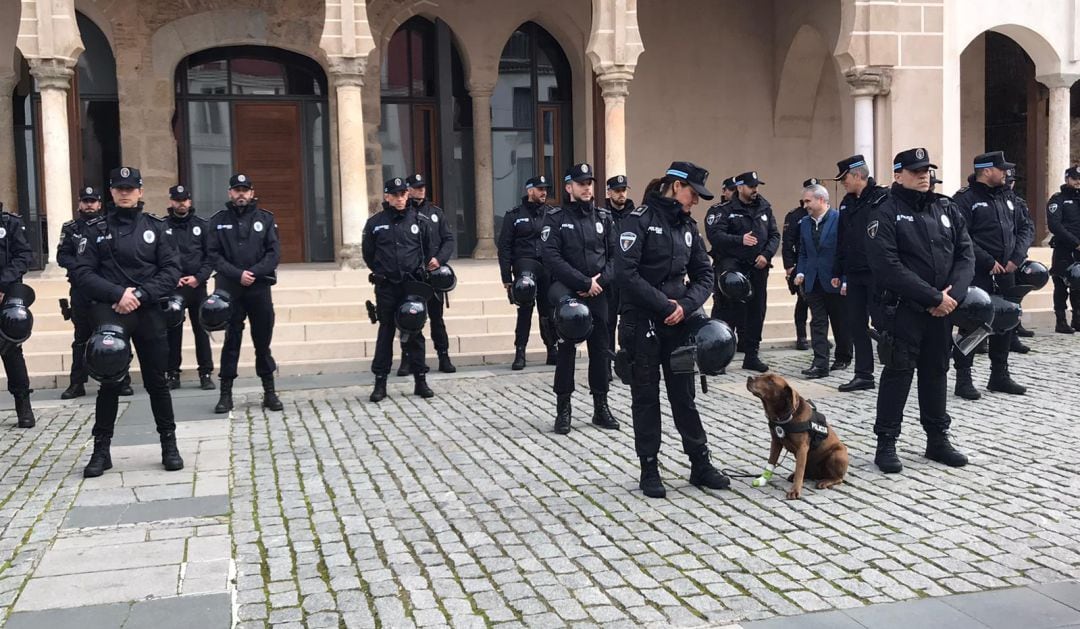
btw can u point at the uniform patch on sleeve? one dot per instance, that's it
(689, 238)
(1053, 208)
(627, 240)
(545, 232)
(945, 221)
(871, 229)
(710, 219)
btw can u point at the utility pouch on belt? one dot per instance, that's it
(683, 360)
(372, 313)
(65, 309)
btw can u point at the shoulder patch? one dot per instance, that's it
(218, 213)
(69, 223)
(639, 210)
(878, 200)
(155, 217)
(627, 240)
(872, 229)
(96, 220)
(555, 210)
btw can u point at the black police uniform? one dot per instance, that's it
(519, 239)
(246, 239)
(617, 217)
(442, 249)
(789, 252)
(1000, 232)
(853, 269)
(66, 252)
(578, 244)
(1063, 220)
(396, 246)
(15, 259)
(917, 246)
(725, 225)
(129, 248)
(191, 232)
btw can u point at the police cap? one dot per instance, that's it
(912, 159)
(813, 181)
(240, 180)
(397, 184)
(417, 181)
(125, 177)
(1073, 172)
(617, 182)
(579, 173)
(748, 179)
(179, 192)
(993, 159)
(539, 181)
(89, 193)
(729, 183)
(846, 164)
(692, 174)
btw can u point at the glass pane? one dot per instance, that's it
(552, 70)
(512, 157)
(512, 100)
(257, 77)
(550, 132)
(423, 64)
(395, 66)
(210, 145)
(100, 140)
(395, 134)
(97, 67)
(208, 78)
(301, 82)
(320, 226)
(458, 190)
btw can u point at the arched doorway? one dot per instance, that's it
(531, 126)
(262, 111)
(426, 121)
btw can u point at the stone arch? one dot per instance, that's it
(1042, 52)
(806, 57)
(95, 14)
(10, 15)
(427, 10)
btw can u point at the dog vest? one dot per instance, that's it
(816, 426)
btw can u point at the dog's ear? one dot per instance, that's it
(784, 401)
(794, 397)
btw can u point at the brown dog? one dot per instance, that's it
(819, 454)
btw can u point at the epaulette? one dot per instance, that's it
(14, 216)
(218, 212)
(603, 211)
(555, 210)
(267, 211)
(154, 216)
(877, 201)
(95, 220)
(639, 210)
(420, 214)
(962, 190)
(69, 223)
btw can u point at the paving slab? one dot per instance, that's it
(213, 611)
(114, 586)
(111, 616)
(194, 507)
(103, 558)
(1067, 593)
(1019, 607)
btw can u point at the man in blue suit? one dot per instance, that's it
(814, 275)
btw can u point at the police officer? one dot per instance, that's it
(79, 305)
(397, 246)
(744, 238)
(789, 253)
(245, 251)
(852, 267)
(443, 248)
(726, 192)
(665, 276)
(1011, 178)
(1000, 233)
(920, 254)
(126, 263)
(578, 245)
(519, 240)
(15, 259)
(620, 205)
(1063, 220)
(190, 232)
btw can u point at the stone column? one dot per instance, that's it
(614, 88)
(53, 80)
(1057, 141)
(348, 77)
(9, 190)
(866, 84)
(485, 191)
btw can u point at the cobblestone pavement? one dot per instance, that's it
(466, 510)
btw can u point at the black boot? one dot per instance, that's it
(1062, 326)
(100, 459)
(601, 414)
(173, 380)
(1001, 382)
(421, 387)
(445, 365)
(225, 403)
(964, 388)
(170, 455)
(1023, 332)
(1075, 320)
(519, 359)
(754, 363)
(23, 411)
(1017, 346)
(703, 474)
(938, 448)
(802, 344)
(378, 394)
(562, 414)
(74, 390)
(650, 483)
(404, 369)
(206, 383)
(885, 457)
(126, 390)
(271, 400)
(552, 355)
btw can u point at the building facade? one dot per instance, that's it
(320, 100)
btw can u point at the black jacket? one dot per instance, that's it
(789, 247)
(519, 237)
(244, 239)
(917, 246)
(999, 228)
(726, 223)
(126, 248)
(851, 237)
(618, 215)
(397, 245)
(578, 243)
(70, 235)
(441, 236)
(659, 247)
(15, 252)
(1063, 218)
(190, 232)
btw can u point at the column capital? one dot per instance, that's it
(615, 83)
(481, 89)
(52, 73)
(869, 80)
(1052, 81)
(348, 71)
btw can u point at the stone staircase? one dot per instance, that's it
(322, 325)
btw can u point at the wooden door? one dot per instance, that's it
(267, 147)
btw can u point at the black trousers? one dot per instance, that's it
(802, 309)
(999, 343)
(747, 319)
(828, 309)
(857, 304)
(387, 298)
(193, 298)
(921, 342)
(146, 329)
(613, 316)
(1063, 296)
(598, 352)
(651, 345)
(523, 328)
(437, 327)
(255, 304)
(83, 320)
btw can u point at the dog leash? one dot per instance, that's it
(759, 479)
